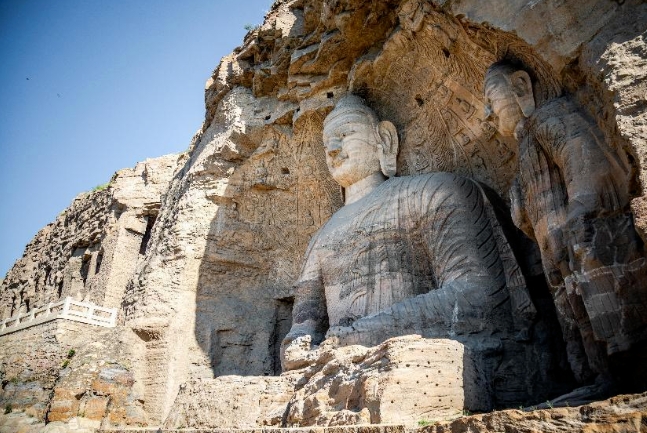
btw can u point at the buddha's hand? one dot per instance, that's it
(369, 330)
(341, 334)
(296, 348)
(295, 336)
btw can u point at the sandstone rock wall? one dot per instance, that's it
(227, 248)
(31, 362)
(98, 384)
(61, 371)
(89, 252)
(55, 263)
(231, 402)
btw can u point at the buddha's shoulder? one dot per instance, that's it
(554, 115)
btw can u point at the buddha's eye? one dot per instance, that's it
(489, 113)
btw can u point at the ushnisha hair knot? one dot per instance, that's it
(351, 104)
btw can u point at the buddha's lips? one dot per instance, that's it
(338, 160)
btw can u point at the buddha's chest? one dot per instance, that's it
(369, 260)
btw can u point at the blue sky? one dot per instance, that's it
(88, 87)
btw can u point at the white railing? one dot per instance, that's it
(69, 309)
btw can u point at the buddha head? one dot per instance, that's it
(357, 144)
(508, 96)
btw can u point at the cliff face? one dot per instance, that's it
(57, 371)
(90, 250)
(204, 280)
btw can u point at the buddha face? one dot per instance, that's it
(351, 143)
(502, 105)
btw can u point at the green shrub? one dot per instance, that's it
(101, 187)
(71, 353)
(8, 409)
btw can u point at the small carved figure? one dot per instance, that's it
(571, 195)
(413, 254)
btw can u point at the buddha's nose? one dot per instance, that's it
(333, 147)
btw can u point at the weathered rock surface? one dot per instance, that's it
(89, 252)
(624, 413)
(231, 402)
(31, 362)
(53, 372)
(394, 383)
(98, 383)
(68, 372)
(339, 429)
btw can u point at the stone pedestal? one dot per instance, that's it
(403, 381)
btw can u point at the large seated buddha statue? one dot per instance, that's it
(406, 255)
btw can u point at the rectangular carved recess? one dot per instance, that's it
(282, 324)
(85, 268)
(147, 235)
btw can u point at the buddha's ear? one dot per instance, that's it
(522, 88)
(388, 149)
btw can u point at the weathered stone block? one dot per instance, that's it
(231, 402)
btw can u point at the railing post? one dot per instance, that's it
(66, 306)
(90, 313)
(48, 309)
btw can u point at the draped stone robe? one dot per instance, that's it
(418, 254)
(572, 197)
